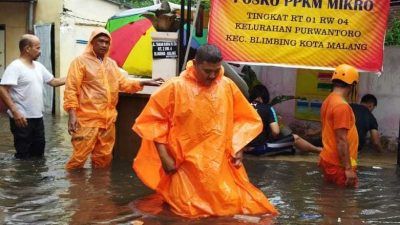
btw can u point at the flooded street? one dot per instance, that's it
(42, 192)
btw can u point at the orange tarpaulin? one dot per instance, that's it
(203, 127)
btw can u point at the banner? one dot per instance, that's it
(301, 33)
(312, 86)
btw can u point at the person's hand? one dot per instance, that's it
(237, 159)
(20, 120)
(72, 122)
(152, 82)
(350, 177)
(168, 164)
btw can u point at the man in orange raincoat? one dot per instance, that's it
(193, 130)
(338, 159)
(90, 98)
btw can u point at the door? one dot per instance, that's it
(44, 32)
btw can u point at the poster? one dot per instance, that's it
(315, 34)
(313, 86)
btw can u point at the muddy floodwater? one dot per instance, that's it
(42, 192)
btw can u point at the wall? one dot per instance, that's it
(282, 81)
(386, 89)
(14, 16)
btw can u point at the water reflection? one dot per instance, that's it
(21, 188)
(42, 192)
(90, 197)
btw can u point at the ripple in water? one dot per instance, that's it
(42, 192)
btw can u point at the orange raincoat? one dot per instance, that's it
(203, 127)
(92, 88)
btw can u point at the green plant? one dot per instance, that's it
(249, 76)
(138, 3)
(393, 33)
(144, 3)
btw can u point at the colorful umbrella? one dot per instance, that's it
(131, 43)
(131, 47)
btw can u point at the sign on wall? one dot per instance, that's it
(165, 49)
(301, 33)
(313, 86)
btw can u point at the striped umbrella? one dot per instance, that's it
(131, 43)
(131, 47)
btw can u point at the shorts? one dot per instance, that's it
(334, 174)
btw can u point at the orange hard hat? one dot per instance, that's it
(346, 73)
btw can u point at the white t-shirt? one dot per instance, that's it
(26, 87)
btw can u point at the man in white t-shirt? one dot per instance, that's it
(21, 89)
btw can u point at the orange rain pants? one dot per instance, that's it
(202, 127)
(334, 174)
(92, 140)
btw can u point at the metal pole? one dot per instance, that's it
(181, 30)
(191, 32)
(30, 16)
(188, 21)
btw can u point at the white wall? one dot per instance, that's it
(387, 90)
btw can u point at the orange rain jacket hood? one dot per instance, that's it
(93, 85)
(202, 127)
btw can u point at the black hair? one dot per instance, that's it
(24, 41)
(369, 98)
(259, 91)
(342, 84)
(208, 53)
(339, 83)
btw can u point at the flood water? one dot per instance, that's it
(42, 192)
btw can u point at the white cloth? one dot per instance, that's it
(26, 87)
